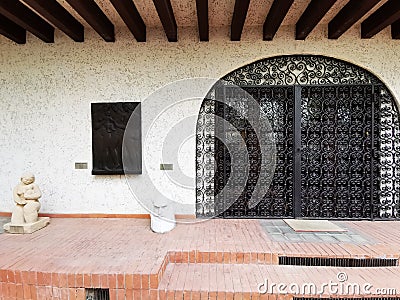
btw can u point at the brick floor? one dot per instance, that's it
(125, 256)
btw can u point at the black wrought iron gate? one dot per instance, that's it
(326, 152)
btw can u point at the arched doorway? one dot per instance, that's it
(336, 127)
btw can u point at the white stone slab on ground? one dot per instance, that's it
(27, 228)
(313, 226)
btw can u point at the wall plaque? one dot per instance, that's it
(109, 121)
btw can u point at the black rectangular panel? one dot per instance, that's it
(109, 123)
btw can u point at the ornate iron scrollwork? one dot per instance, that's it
(350, 166)
(337, 151)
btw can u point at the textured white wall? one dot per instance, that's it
(46, 91)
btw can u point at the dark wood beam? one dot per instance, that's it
(314, 12)
(21, 15)
(275, 16)
(381, 18)
(95, 17)
(131, 16)
(166, 15)
(396, 30)
(238, 18)
(12, 31)
(348, 15)
(202, 19)
(59, 17)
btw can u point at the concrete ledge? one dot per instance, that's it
(27, 228)
(99, 215)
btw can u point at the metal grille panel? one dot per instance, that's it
(277, 103)
(338, 262)
(337, 158)
(97, 294)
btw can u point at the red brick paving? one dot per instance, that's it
(208, 260)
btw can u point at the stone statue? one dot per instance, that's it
(25, 215)
(26, 195)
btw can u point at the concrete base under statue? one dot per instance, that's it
(27, 227)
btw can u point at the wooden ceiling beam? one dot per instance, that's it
(12, 31)
(59, 17)
(396, 30)
(384, 16)
(202, 19)
(21, 15)
(348, 16)
(238, 18)
(314, 12)
(167, 18)
(95, 17)
(275, 16)
(131, 16)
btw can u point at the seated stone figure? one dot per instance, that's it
(25, 216)
(26, 195)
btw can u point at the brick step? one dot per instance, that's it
(210, 281)
(359, 258)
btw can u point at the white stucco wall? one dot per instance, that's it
(46, 91)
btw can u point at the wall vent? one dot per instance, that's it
(97, 294)
(338, 262)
